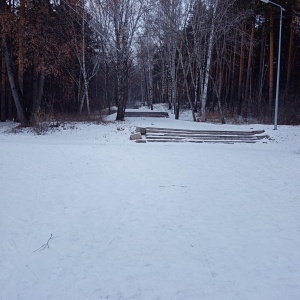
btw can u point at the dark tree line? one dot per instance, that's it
(217, 56)
(43, 43)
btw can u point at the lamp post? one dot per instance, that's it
(278, 62)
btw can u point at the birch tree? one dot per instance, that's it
(208, 59)
(199, 29)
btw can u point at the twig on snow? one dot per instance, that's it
(43, 247)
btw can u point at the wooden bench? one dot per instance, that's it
(146, 114)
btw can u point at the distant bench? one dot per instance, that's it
(146, 114)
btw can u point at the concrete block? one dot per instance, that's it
(142, 130)
(136, 136)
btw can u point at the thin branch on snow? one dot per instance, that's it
(46, 245)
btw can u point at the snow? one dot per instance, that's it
(149, 221)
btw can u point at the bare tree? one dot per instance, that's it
(17, 95)
(120, 20)
(184, 47)
(171, 24)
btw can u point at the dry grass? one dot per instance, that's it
(214, 117)
(43, 123)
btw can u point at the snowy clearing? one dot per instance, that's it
(149, 221)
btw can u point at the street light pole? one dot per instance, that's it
(278, 62)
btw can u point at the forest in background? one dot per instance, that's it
(209, 56)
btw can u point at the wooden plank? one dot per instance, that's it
(198, 139)
(154, 134)
(224, 133)
(198, 136)
(155, 129)
(201, 141)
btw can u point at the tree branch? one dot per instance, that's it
(46, 245)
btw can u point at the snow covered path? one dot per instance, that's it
(149, 221)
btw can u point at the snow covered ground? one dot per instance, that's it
(149, 221)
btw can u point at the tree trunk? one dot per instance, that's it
(271, 62)
(3, 89)
(40, 90)
(119, 29)
(291, 50)
(84, 72)
(219, 90)
(18, 99)
(241, 73)
(120, 94)
(261, 75)
(208, 62)
(163, 82)
(232, 100)
(170, 91)
(21, 44)
(219, 79)
(247, 93)
(196, 81)
(106, 86)
(173, 79)
(150, 82)
(185, 75)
